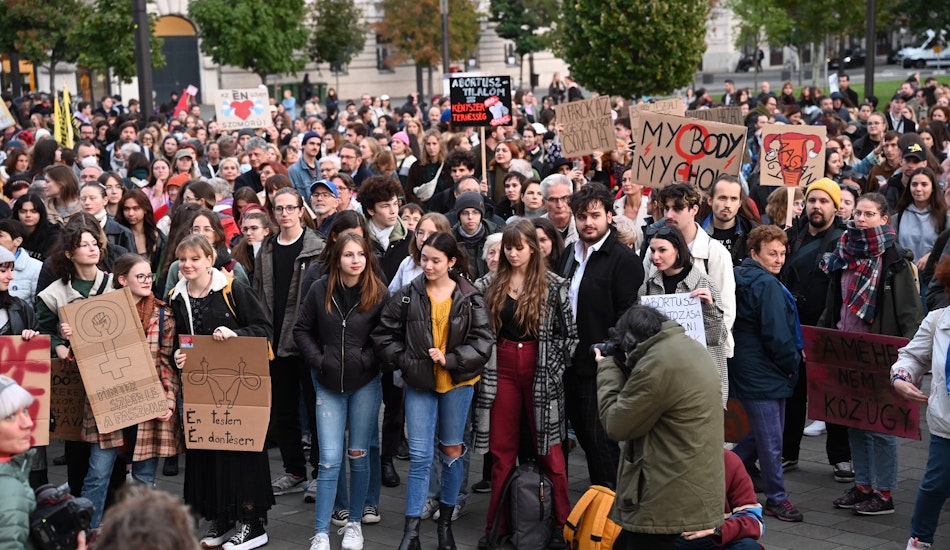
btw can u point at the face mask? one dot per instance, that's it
(245, 168)
(89, 162)
(179, 136)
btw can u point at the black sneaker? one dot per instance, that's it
(844, 472)
(340, 517)
(250, 535)
(403, 452)
(784, 511)
(789, 465)
(851, 498)
(877, 505)
(217, 535)
(483, 486)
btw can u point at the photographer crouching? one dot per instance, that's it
(658, 393)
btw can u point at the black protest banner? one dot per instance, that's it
(672, 149)
(480, 100)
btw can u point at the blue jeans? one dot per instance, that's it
(342, 500)
(434, 471)
(360, 409)
(96, 483)
(875, 458)
(767, 422)
(933, 492)
(424, 411)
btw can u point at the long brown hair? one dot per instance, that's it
(441, 226)
(372, 289)
(534, 296)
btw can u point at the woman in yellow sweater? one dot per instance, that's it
(436, 330)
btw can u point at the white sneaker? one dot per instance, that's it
(914, 544)
(310, 495)
(320, 541)
(352, 536)
(431, 509)
(815, 429)
(288, 483)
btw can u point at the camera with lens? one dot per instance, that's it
(607, 348)
(58, 518)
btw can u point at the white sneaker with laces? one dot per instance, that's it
(431, 509)
(352, 536)
(815, 429)
(914, 544)
(287, 483)
(320, 541)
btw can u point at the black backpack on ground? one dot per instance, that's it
(528, 498)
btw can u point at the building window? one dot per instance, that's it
(511, 58)
(384, 51)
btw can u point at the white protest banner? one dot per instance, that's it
(245, 108)
(685, 310)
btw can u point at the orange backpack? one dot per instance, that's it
(588, 527)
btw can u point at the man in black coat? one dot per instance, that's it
(604, 276)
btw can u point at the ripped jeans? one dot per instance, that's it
(424, 411)
(358, 409)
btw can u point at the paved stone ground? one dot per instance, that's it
(811, 487)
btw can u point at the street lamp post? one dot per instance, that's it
(444, 11)
(143, 59)
(870, 48)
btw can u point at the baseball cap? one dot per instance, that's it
(325, 183)
(185, 152)
(177, 180)
(916, 151)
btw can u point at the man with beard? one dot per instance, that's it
(809, 238)
(725, 224)
(604, 277)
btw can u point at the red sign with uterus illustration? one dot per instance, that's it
(243, 108)
(792, 156)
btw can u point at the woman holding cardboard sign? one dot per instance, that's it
(223, 486)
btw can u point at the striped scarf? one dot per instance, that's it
(860, 250)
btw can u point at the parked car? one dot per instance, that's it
(932, 51)
(852, 57)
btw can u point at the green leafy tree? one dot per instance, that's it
(263, 36)
(337, 34)
(43, 32)
(921, 15)
(108, 39)
(414, 27)
(521, 20)
(626, 48)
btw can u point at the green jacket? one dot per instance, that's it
(17, 501)
(667, 414)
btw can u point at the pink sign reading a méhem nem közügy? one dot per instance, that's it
(849, 382)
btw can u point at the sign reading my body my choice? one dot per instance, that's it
(480, 100)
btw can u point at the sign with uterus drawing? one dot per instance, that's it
(792, 156)
(226, 388)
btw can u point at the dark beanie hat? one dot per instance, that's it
(470, 199)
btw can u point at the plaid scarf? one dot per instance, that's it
(860, 250)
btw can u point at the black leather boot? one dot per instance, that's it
(410, 538)
(444, 527)
(390, 477)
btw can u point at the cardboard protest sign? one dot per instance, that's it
(114, 361)
(725, 115)
(244, 108)
(674, 107)
(27, 363)
(67, 399)
(227, 393)
(736, 421)
(682, 308)
(588, 126)
(793, 156)
(671, 149)
(6, 119)
(849, 382)
(480, 100)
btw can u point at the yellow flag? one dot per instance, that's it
(57, 120)
(67, 118)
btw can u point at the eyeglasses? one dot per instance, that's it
(423, 235)
(323, 195)
(145, 277)
(348, 157)
(251, 229)
(288, 209)
(555, 200)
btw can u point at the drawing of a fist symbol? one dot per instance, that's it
(102, 323)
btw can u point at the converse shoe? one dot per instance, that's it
(788, 465)
(250, 535)
(815, 429)
(288, 483)
(217, 535)
(320, 541)
(310, 495)
(784, 511)
(851, 498)
(844, 472)
(371, 514)
(877, 505)
(352, 536)
(339, 517)
(914, 544)
(431, 509)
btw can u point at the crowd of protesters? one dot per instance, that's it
(454, 283)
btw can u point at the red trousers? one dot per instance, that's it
(516, 365)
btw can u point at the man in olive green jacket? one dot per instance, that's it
(665, 406)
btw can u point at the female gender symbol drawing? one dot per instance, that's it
(101, 322)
